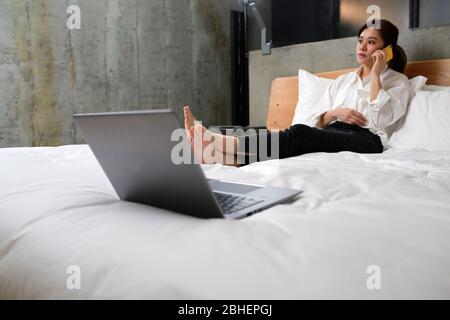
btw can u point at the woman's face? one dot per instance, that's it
(369, 41)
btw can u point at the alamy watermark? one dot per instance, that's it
(73, 281)
(74, 19)
(373, 282)
(374, 21)
(211, 146)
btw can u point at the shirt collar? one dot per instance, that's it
(357, 73)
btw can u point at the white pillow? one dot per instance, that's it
(310, 89)
(426, 124)
(435, 88)
(416, 84)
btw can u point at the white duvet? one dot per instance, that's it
(388, 211)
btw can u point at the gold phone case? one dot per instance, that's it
(389, 53)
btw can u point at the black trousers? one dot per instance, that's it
(301, 139)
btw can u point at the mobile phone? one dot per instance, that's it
(389, 53)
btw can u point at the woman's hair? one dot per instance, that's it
(389, 32)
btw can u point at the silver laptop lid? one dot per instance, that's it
(134, 150)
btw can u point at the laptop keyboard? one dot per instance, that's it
(232, 203)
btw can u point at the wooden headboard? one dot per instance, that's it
(284, 92)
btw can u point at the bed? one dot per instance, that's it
(366, 227)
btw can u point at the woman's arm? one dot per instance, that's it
(346, 115)
(326, 119)
(375, 87)
(380, 64)
(387, 103)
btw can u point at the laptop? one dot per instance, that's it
(135, 151)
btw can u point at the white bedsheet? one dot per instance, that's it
(392, 210)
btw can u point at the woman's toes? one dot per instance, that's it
(190, 117)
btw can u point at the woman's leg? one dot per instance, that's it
(301, 139)
(295, 141)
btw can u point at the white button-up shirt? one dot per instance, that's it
(349, 91)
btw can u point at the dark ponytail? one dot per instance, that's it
(389, 32)
(400, 60)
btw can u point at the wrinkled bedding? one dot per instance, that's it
(390, 210)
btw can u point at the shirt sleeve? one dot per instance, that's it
(390, 104)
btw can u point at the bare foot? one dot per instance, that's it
(211, 143)
(204, 147)
(202, 143)
(189, 119)
(190, 122)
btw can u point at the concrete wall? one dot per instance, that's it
(419, 44)
(128, 55)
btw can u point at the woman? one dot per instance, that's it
(353, 115)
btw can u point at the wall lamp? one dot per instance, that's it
(266, 47)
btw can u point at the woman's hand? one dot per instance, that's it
(379, 58)
(350, 116)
